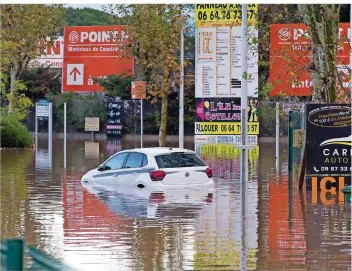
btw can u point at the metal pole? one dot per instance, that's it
(141, 123)
(36, 128)
(277, 145)
(65, 146)
(350, 47)
(181, 110)
(244, 151)
(50, 137)
(290, 148)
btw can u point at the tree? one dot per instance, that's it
(323, 25)
(88, 16)
(155, 32)
(23, 28)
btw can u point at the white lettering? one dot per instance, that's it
(326, 152)
(84, 36)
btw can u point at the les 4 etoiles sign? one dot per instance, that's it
(92, 52)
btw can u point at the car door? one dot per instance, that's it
(133, 167)
(114, 165)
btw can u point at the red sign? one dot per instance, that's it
(290, 52)
(93, 52)
(51, 55)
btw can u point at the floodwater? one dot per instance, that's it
(280, 230)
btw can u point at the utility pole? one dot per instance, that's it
(181, 96)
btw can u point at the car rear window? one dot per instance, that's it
(174, 160)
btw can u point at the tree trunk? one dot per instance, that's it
(163, 122)
(322, 21)
(12, 89)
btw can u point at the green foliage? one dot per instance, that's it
(13, 133)
(23, 28)
(21, 104)
(117, 86)
(78, 107)
(87, 16)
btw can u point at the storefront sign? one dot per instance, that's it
(290, 56)
(93, 52)
(328, 143)
(113, 119)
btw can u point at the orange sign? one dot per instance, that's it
(290, 52)
(92, 52)
(138, 90)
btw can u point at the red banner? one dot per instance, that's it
(290, 51)
(92, 52)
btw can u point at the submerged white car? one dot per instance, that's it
(157, 169)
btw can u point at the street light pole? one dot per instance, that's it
(181, 96)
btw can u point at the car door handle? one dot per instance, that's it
(115, 175)
(134, 173)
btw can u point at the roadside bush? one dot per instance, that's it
(13, 133)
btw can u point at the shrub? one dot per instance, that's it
(13, 133)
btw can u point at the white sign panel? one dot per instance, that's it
(218, 62)
(222, 139)
(51, 57)
(75, 74)
(42, 108)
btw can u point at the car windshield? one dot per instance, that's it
(174, 160)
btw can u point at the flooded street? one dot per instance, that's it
(47, 205)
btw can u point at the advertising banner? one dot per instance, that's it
(93, 52)
(328, 143)
(215, 15)
(52, 56)
(113, 119)
(290, 56)
(218, 52)
(221, 118)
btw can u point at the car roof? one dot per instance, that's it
(158, 150)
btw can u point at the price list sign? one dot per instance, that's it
(113, 119)
(218, 51)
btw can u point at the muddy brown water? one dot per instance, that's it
(46, 205)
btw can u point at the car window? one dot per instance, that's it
(116, 162)
(174, 160)
(135, 160)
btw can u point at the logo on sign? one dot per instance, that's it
(297, 33)
(284, 34)
(73, 37)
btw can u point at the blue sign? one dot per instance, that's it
(43, 102)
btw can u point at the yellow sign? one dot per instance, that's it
(224, 128)
(218, 15)
(92, 124)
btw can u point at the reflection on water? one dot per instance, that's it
(116, 230)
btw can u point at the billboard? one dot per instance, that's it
(93, 52)
(328, 142)
(52, 56)
(219, 120)
(290, 52)
(218, 51)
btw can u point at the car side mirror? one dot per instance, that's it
(101, 168)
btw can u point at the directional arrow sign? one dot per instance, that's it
(75, 74)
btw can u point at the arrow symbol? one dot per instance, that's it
(75, 71)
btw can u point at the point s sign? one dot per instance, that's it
(93, 52)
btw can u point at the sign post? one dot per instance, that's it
(181, 97)
(139, 92)
(65, 135)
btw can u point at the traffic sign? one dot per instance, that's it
(94, 52)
